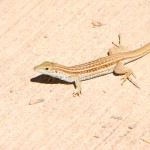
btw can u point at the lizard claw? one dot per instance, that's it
(76, 93)
(127, 76)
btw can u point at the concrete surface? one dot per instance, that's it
(107, 116)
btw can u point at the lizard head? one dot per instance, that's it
(45, 67)
(54, 70)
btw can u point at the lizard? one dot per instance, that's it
(114, 62)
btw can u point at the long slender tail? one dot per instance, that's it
(140, 52)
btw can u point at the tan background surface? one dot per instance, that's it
(107, 115)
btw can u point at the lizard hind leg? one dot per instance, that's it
(120, 69)
(117, 48)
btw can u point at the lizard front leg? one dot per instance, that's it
(77, 91)
(120, 69)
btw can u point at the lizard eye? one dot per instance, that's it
(56, 71)
(46, 68)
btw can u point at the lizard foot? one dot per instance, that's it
(127, 77)
(76, 93)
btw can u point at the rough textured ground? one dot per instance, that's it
(107, 116)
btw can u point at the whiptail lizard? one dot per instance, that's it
(114, 62)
